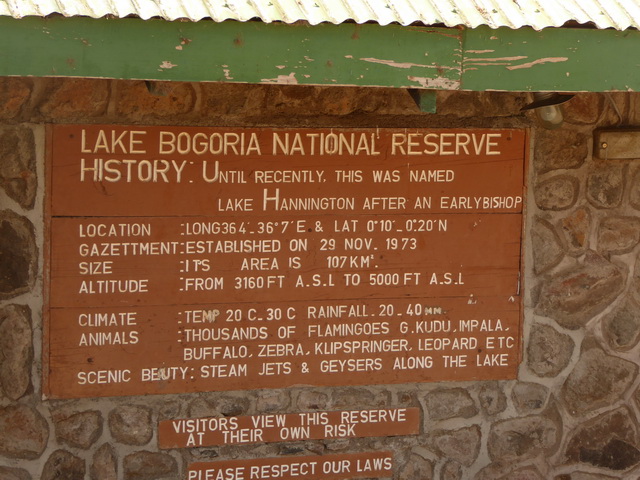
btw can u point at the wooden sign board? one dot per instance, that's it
(186, 259)
(325, 467)
(212, 431)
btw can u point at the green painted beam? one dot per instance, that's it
(255, 52)
(554, 59)
(346, 54)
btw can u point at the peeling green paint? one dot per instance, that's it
(554, 59)
(254, 52)
(346, 54)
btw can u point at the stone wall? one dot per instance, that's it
(571, 415)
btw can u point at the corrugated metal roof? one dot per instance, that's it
(617, 14)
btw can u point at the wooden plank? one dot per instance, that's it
(480, 59)
(251, 52)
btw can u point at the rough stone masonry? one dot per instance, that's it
(571, 415)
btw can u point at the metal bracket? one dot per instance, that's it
(425, 99)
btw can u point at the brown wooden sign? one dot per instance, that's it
(184, 259)
(325, 467)
(211, 431)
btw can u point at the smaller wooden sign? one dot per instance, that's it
(201, 432)
(326, 467)
(621, 144)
